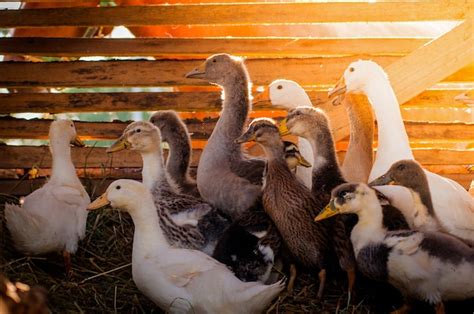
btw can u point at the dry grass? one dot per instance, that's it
(102, 280)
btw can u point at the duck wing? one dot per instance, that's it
(249, 168)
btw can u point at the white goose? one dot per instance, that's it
(53, 218)
(452, 204)
(180, 280)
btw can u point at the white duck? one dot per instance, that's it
(180, 280)
(53, 218)
(359, 157)
(453, 205)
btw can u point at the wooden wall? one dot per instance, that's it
(442, 144)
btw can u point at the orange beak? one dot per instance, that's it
(263, 96)
(338, 92)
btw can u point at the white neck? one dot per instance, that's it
(153, 170)
(422, 219)
(148, 238)
(393, 144)
(369, 228)
(63, 170)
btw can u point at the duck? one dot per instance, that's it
(289, 203)
(427, 266)
(179, 280)
(226, 177)
(187, 221)
(175, 133)
(359, 156)
(53, 218)
(21, 298)
(452, 204)
(251, 246)
(313, 125)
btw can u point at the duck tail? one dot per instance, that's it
(263, 294)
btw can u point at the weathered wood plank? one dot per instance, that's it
(250, 13)
(203, 47)
(11, 128)
(311, 71)
(180, 101)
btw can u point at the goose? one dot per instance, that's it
(179, 280)
(175, 133)
(289, 203)
(313, 125)
(428, 266)
(188, 221)
(359, 156)
(226, 178)
(452, 204)
(53, 218)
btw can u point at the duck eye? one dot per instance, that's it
(351, 69)
(118, 187)
(138, 130)
(279, 87)
(214, 60)
(72, 125)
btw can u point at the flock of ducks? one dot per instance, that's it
(211, 245)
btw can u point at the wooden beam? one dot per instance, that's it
(312, 71)
(179, 101)
(203, 47)
(11, 128)
(247, 13)
(433, 62)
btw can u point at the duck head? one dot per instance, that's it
(293, 156)
(407, 173)
(64, 130)
(356, 78)
(304, 121)
(261, 130)
(220, 69)
(348, 198)
(121, 195)
(140, 136)
(169, 123)
(284, 93)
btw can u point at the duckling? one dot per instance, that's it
(180, 280)
(428, 266)
(289, 203)
(53, 218)
(188, 221)
(175, 133)
(251, 244)
(20, 298)
(226, 177)
(312, 124)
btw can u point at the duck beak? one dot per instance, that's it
(119, 145)
(101, 201)
(262, 97)
(197, 73)
(282, 128)
(338, 92)
(302, 161)
(77, 142)
(385, 179)
(328, 211)
(246, 137)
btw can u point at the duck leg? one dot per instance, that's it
(322, 283)
(440, 308)
(67, 263)
(291, 282)
(351, 276)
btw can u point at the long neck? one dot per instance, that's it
(393, 144)
(148, 237)
(63, 169)
(424, 197)
(234, 113)
(153, 171)
(360, 154)
(179, 156)
(369, 227)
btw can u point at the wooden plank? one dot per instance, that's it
(203, 47)
(11, 128)
(179, 101)
(433, 62)
(249, 13)
(311, 71)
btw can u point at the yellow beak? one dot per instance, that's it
(99, 202)
(282, 128)
(263, 96)
(119, 145)
(328, 211)
(338, 92)
(302, 161)
(77, 142)
(198, 72)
